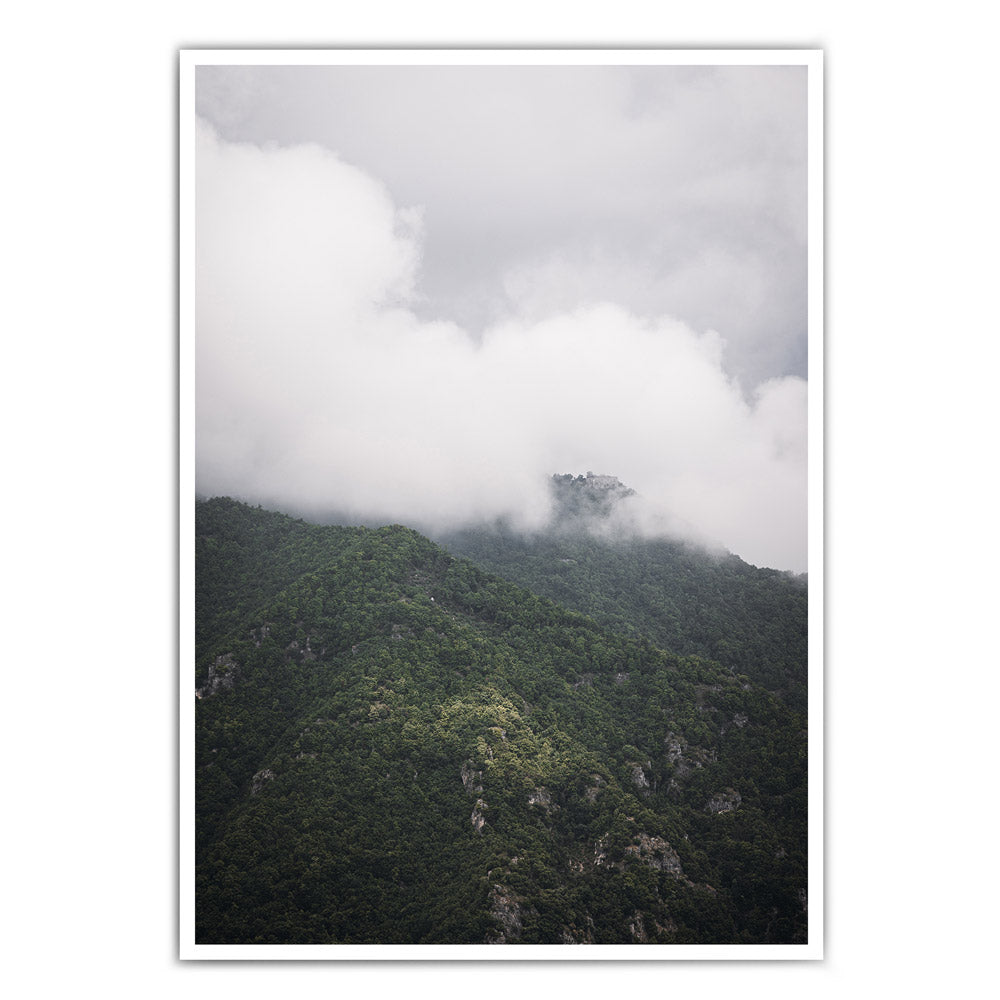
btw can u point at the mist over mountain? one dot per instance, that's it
(320, 382)
(596, 504)
(599, 555)
(441, 695)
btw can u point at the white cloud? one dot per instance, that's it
(668, 189)
(319, 387)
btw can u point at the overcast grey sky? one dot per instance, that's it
(421, 290)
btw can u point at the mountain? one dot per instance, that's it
(394, 745)
(679, 595)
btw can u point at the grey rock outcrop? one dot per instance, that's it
(471, 778)
(506, 911)
(725, 801)
(257, 781)
(221, 676)
(479, 815)
(541, 797)
(656, 853)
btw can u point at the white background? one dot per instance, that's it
(89, 406)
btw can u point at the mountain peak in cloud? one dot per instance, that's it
(318, 387)
(603, 506)
(590, 496)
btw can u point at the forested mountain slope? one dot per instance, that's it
(394, 746)
(676, 594)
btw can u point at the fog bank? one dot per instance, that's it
(320, 387)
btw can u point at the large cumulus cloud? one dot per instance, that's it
(668, 189)
(319, 387)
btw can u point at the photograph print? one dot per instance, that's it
(501, 504)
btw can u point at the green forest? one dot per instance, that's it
(674, 593)
(508, 740)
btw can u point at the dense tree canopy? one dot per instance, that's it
(395, 746)
(676, 594)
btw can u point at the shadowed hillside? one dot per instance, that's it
(393, 745)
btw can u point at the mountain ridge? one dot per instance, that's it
(393, 745)
(672, 591)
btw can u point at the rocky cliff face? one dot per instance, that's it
(505, 909)
(583, 502)
(725, 801)
(258, 780)
(222, 676)
(656, 853)
(479, 815)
